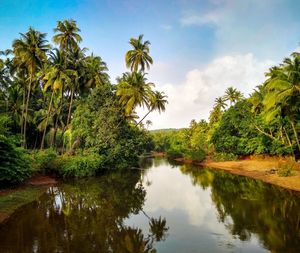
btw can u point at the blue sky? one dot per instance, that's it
(199, 47)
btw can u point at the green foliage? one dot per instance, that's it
(218, 157)
(98, 124)
(42, 159)
(77, 166)
(15, 163)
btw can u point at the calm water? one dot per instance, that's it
(162, 208)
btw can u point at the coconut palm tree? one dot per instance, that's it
(56, 77)
(283, 91)
(95, 74)
(232, 95)
(67, 35)
(30, 54)
(158, 102)
(133, 90)
(138, 57)
(220, 102)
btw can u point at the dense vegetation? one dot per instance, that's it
(267, 122)
(60, 97)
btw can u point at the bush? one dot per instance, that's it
(286, 169)
(77, 166)
(15, 163)
(172, 153)
(218, 157)
(196, 155)
(42, 159)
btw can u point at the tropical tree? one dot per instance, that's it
(30, 54)
(67, 35)
(133, 90)
(283, 91)
(220, 102)
(138, 58)
(232, 95)
(158, 102)
(55, 78)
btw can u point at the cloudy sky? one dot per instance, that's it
(199, 47)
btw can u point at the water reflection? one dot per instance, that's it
(253, 207)
(163, 207)
(86, 216)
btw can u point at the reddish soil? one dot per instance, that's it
(38, 180)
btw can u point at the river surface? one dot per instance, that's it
(163, 207)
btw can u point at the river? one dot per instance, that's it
(163, 207)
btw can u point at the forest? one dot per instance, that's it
(267, 122)
(61, 114)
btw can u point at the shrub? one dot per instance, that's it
(15, 163)
(42, 159)
(77, 166)
(218, 157)
(286, 169)
(196, 155)
(172, 153)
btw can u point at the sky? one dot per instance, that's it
(199, 47)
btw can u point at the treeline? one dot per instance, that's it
(60, 96)
(267, 122)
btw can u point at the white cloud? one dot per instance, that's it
(194, 98)
(247, 26)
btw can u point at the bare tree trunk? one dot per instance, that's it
(49, 109)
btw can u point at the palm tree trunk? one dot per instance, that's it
(70, 108)
(143, 118)
(68, 119)
(295, 133)
(56, 121)
(23, 111)
(289, 141)
(49, 109)
(26, 110)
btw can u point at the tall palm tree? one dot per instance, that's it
(67, 35)
(220, 101)
(55, 78)
(283, 91)
(232, 95)
(139, 56)
(134, 90)
(95, 74)
(158, 102)
(30, 54)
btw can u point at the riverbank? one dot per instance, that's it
(13, 198)
(260, 168)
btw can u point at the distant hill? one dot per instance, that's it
(166, 130)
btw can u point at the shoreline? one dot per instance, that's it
(13, 198)
(258, 168)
